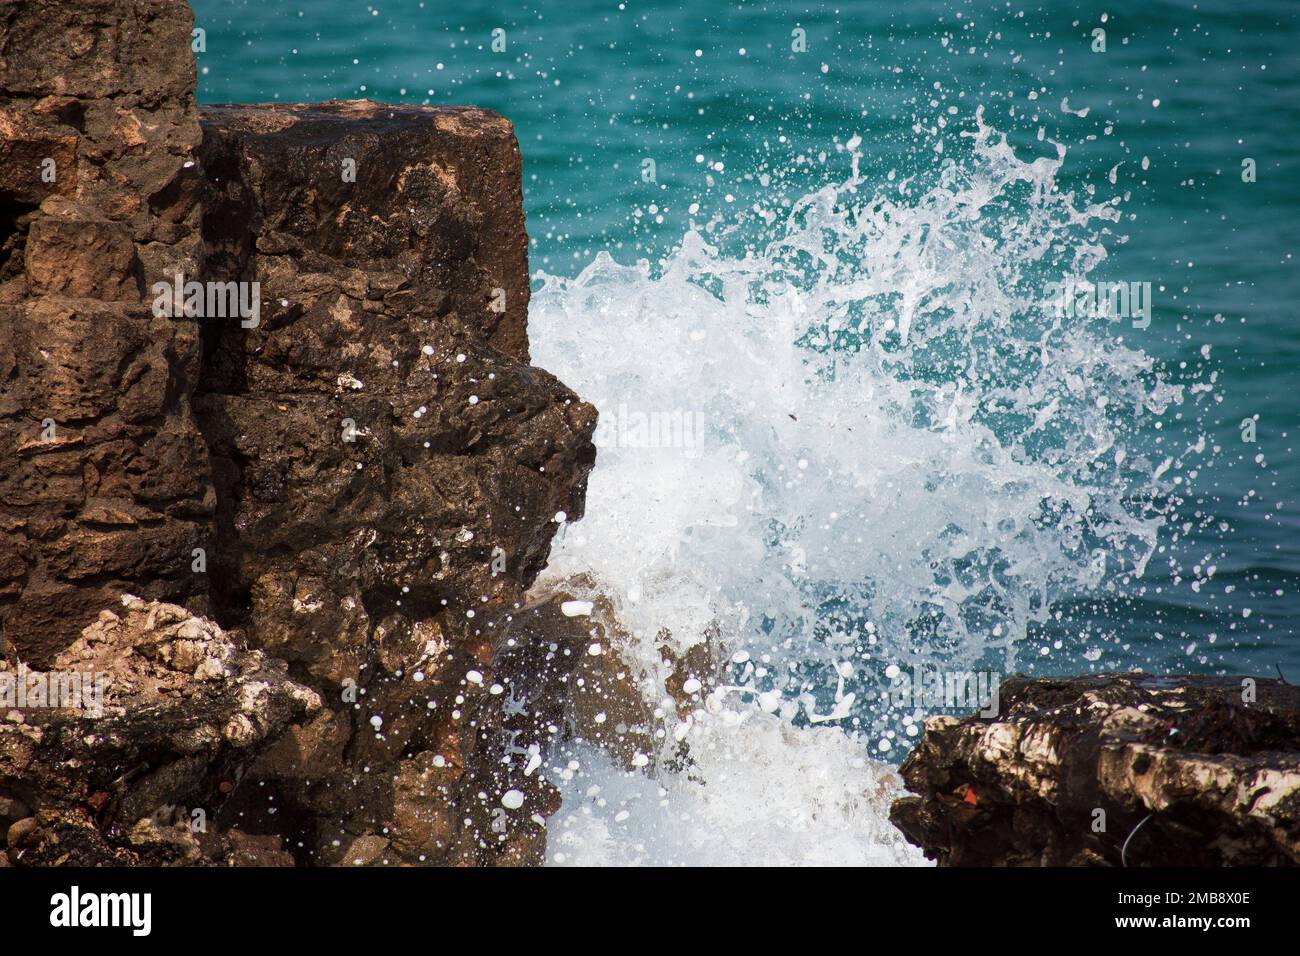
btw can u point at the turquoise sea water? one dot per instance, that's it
(739, 126)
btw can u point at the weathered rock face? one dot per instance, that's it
(343, 456)
(416, 210)
(369, 441)
(571, 683)
(103, 475)
(388, 467)
(1189, 771)
(179, 714)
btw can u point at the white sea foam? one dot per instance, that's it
(907, 455)
(759, 792)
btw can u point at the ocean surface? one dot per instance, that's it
(804, 258)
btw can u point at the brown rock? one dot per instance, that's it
(381, 449)
(173, 844)
(247, 849)
(559, 682)
(358, 478)
(365, 850)
(81, 260)
(1112, 770)
(182, 706)
(423, 821)
(19, 832)
(11, 811)
(99, 121)
(431, 222)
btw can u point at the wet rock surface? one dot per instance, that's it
(341, 469)
(575, 685)
(1112, 770)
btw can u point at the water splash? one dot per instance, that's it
(906, 455)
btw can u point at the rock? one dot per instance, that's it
(11, 811)
(170, 844)
(387, 465)
(559, 683)
(307, 751)
(364, 851)
(344, 509)
(353, 206)
(247, 849)
(98, 191)
(1187, 771)
(422, 817)
(69, 838)
(163, 740)
(20, 830)
(356, 476)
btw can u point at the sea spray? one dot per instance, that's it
(909, 457)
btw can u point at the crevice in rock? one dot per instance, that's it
(14, 219)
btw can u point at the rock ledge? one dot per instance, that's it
(1112, 770)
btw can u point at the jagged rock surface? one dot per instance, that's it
(371, 471)
(185, 713)
(388, 467)
(1190, 771)
(104, 481)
